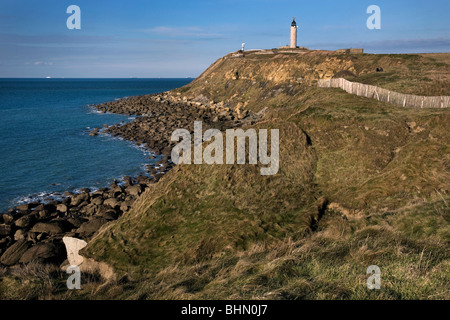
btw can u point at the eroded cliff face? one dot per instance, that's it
(280, 69)
(256, 76)
(302, 67)
(272, 68)
(239, 81)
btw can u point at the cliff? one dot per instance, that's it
(263, 74)
(361, 182)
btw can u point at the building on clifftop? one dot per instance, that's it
(293, 45)
(293, 34)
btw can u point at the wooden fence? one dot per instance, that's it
(401, 99)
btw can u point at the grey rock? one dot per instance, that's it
(75, 222)
(90, 209)
(23, 207)
(43, 252)
(126, 205)
(79, 198)
(39, 207)
(13, 254)
(134, 190)
(48, 228)
(113, 203)
(90, 227)
(97, 201)
(20, 234)
(7, 218)
(5, 230)
(43, 214)
(25, 221)
(61, 208)
(109, 215)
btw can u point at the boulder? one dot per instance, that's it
(21, 213)
(66, 201)
(5, 230)
(116, 191)
(89, 210)
(73, 245)
(25, 221)
(79, 198)
(43, 252)
(112, 202)
(126, 205)
(39, 207)
(20, 234)
(24, 207)
(134, 190)
(127, 179)
(7, 218)
(61, 208)
(97, 201)
(90, 227)
(48, 228)
(75, 222)
(50, 207)
(64, 223)
(43, 214)
(13, 254)
(109, 215)
(4, 242)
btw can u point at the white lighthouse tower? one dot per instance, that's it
(293, 34)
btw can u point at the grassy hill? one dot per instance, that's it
(361, 183)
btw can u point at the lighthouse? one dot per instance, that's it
(293, 34)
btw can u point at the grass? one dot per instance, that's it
(236, 234)
(360, 183)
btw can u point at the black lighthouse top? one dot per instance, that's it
(293, 24)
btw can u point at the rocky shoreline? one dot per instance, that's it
(34, 232)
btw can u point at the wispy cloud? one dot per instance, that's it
(183, 32)
(411, 43)
(337, 27)
(39, 63)
(20, 39)
(399, 45)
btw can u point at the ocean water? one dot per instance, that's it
(45, 149)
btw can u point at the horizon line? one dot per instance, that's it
(100, 78)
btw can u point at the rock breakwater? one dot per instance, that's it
(35, 231)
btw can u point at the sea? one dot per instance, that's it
(45, 147)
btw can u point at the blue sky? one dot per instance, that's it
(146, 38)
